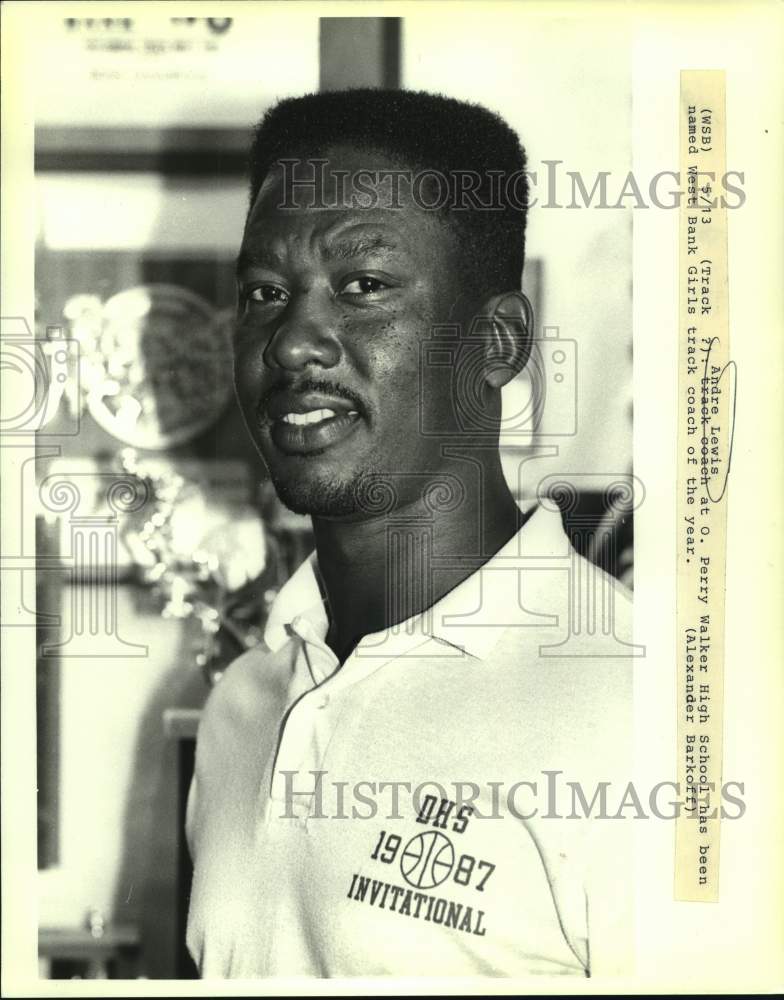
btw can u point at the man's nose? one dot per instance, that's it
(305, 336)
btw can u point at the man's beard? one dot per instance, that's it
(322, 496)
(361, 494)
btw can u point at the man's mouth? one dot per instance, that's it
(309, 423)
(313, 416)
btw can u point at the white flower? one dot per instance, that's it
(241, 550)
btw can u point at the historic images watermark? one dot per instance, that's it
(37, 374)
(547, 795)
(553, 187)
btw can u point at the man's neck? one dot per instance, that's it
(379, 572)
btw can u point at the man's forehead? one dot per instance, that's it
(328, 201)
(337, 239)
(369, 228)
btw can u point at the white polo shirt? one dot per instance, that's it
(395, 815)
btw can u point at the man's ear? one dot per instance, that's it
(510, 337)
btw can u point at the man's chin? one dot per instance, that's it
(330, 498)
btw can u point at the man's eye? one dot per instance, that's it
(268, 294)
(364, 286)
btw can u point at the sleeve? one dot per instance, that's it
(191, 812)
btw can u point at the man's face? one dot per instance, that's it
(333, 307)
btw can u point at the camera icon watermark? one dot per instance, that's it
(36, 374)
(539, 402)
(550, 408)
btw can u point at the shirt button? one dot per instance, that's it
(323, 702)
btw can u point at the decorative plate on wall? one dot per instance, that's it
(155, 363)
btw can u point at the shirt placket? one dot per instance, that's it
(308, 727)
(305, 731)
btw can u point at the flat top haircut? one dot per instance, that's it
(423, 132)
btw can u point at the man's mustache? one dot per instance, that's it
(301, 386)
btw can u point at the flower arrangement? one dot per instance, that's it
(206, 560)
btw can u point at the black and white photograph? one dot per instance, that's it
(377, 472)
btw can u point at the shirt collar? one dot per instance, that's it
(474, 615)
(299, 599)
(471, 617)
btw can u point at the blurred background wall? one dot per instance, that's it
(567, 93)
(141, 126)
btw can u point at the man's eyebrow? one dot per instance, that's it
(249, 257)
(360, 246)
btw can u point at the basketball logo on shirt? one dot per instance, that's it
(427, 860)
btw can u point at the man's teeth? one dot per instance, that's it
(311, 417)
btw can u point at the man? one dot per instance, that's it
(367, 797)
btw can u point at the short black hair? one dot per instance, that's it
(425, 132)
